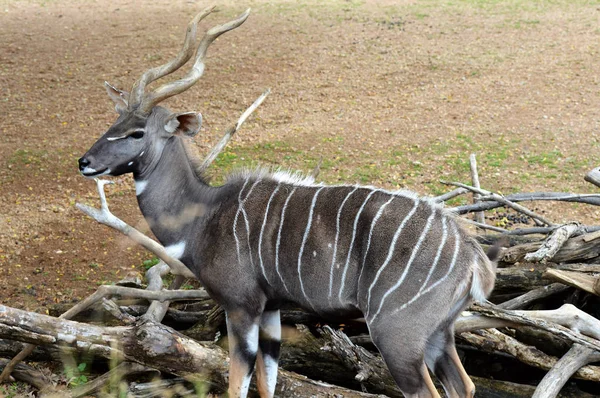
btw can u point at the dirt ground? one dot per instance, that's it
(389, 93)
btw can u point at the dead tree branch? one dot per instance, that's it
(231, 131)
(487, 195)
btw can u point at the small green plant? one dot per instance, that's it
(9, 391)
(150, 263)
(75, 375)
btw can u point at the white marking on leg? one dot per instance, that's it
(390, 253)
(235, 220)
(176, 250)
(141, 153)
(373, 223)
(304, 239)
(337, 235)
(271, 366)
(262, 229)
(252, 339)
(354, 226)
(252, 344)
(140, 186)
(413, 255)
(270, 324)
(452, 263)
(279, 238)
(129, 164)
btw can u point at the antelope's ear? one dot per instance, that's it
(119, 97)
(187, 124)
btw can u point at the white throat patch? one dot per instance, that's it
(140, 186)
(176, 250)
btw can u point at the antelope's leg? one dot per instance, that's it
(404, 358)
(269, 342)
(441, 357)
(242, 333)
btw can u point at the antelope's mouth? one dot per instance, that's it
(89, 172)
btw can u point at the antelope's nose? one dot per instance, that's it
(83, 163)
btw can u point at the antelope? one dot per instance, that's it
(264, 239)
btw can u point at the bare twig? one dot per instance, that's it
(487, 195)
(231, 131)
(592, 199)
(485, 226)
(479, 216)
(449, 195)
(317, 169)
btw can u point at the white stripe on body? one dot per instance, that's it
(354, 226)
(390, 253)
(262, 229)
(373, 223)
(279, 238)
(413, 255)
(246, 221)
(337, 235)
(452, 264)
(235, 220)
(304, 239)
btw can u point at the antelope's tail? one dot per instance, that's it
(484, 271)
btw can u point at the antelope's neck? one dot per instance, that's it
(174, 200)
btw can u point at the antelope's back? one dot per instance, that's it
(349, 248)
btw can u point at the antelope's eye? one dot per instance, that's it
(137, 134)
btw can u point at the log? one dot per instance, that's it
(553, 243)
(579, 248)
(575, 279)
(532, 296)
(494, 341)
(151, 344)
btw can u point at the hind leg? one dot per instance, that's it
(402, 349)
(269, 342)
(441, 357)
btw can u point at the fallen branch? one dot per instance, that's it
(150, 344)
(592, 199)
(582, 247)
(579, 280)
(553, 243)
(573, 362)
(494, 341)
(487, 195)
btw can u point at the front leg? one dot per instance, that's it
(269, 342)
(242, 332)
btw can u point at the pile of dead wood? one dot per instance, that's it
(540, 337)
